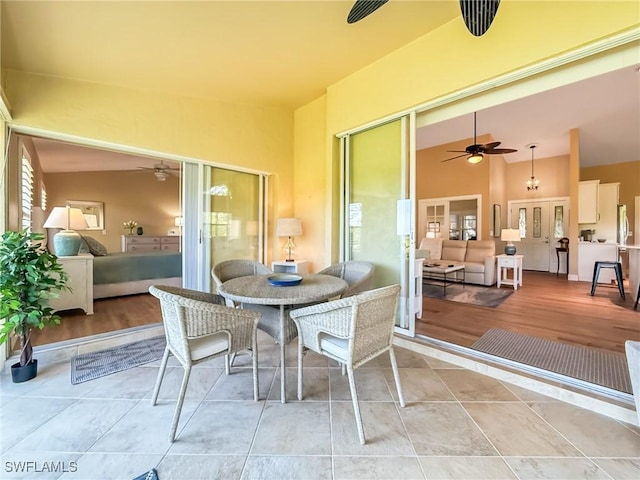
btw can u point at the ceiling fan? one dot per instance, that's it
(160, 170)
(477, 14)
(475, 153)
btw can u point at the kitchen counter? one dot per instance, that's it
(634, 269)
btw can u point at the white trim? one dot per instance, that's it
(524, 73)
(118, 147)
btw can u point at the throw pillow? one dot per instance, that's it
(84, 248)
(95, 247)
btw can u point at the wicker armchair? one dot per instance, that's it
(358, 274)
(198, 326)
(351, 331)
(270, 320)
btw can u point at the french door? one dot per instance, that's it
(541, 224)
(378, 217)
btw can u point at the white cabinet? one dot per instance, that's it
(150, 243)
(79, 270)
(588, 201)
(297, 266)
(590, 253)
(607, 224)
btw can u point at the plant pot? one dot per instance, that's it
(22, 374)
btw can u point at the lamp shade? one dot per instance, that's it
(289, 227)
(510, 235)
(66, 218)
(66, 242)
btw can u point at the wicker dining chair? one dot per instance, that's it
(351, 331)
(358, 274)
(198, 326)
(270, 320)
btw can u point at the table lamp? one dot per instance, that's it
(510, 235)
(289, 227)
(67, 241)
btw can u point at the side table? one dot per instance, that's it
(298, 266)
(506, 262)
(79, 269)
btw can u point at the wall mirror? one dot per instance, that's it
(496, 220)
(93, 212)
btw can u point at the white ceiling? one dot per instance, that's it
(286, 53)
(606, 110)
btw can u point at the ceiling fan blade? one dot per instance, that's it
(490, 146)
(457, 151)
(495, 151)
(453, 158)
(478, 14)
(363, 8)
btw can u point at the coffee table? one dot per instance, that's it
(444, 274)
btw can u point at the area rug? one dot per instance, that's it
(472, 294)
(589, 364)
(89, 366)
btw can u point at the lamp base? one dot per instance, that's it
(66, 243)
(510, 249)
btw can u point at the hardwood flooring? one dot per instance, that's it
(110, 314)
(546, 306)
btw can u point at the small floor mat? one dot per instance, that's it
(89, 366)
(589, 364)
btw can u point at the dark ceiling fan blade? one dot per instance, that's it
(495, 151)
(458, 151)
(453, 158)
(363, 8)
(490, 146)
(478, 14)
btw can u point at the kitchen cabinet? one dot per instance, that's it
(590, 253)
(607, 224)
(588, 201)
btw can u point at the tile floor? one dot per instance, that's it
(457, 425)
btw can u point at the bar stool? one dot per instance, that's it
(564, 247)
(617, 266)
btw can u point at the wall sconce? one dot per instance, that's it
(67, 241)
(289, 227)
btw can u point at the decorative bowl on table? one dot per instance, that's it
(284, 280)
(602, 240)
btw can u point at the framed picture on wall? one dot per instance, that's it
(496, 220)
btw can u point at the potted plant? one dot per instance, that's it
(29, 277)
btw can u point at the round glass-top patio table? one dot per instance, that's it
(257, 290)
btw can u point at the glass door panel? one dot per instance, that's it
(378, 217)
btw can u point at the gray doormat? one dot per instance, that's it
(89, 366)
(471, 294)
(589, 364)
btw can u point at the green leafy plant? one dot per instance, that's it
(29, 277)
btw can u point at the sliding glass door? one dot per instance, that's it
(223, 219)
(378, 215)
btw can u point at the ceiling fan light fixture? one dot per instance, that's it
(161, 175)
(475, 158)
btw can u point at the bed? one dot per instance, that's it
(118, 274)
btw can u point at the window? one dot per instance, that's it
(26, 192)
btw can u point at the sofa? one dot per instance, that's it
(478, 257)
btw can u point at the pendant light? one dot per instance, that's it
(532, 183)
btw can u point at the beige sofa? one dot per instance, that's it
(478, 257)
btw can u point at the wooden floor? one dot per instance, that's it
(546, 306)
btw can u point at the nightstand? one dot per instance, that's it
(506, 262)
(297, 266)
(79, 269)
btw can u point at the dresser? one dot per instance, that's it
(79, 270)
(150, 243)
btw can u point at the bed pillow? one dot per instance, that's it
(84, 248)
(95, 247)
